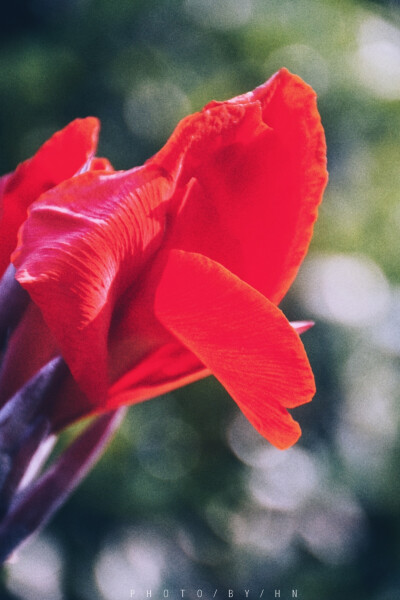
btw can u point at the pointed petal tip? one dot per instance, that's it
(287, 442)
(302, 326)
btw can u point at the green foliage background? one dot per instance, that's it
(187, 496)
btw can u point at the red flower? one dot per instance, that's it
(147, 279)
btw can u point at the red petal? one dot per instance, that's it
(258, 170)
(65, 153)
(82, 246)
(169, 367)
(241, 337)
(3, 183)
(100, 164)
(144, 360)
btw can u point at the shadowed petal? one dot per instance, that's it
(244, 340)
(83, 245)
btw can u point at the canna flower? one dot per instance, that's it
(148, 279)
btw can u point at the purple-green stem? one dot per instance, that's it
(34, 506)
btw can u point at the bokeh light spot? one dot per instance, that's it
(348, 289)
(135, 560)
(377, 60)
(285, 481)
(36, 571)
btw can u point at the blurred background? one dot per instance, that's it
(188, 495)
